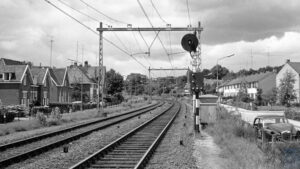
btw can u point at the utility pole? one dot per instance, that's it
(100, 73)
(150, 87)
(51, 46)
(81, 86)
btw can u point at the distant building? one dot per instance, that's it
(60, 87)
(265, 81)
(78, 75)
(294, 68)
(41, 85)
(16, 83)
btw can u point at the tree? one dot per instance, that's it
(286, 91)
(114, 82)
(242, 94)
(222, 71)
(270, 96)
(258, 98)
(76, 93)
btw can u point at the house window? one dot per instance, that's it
(13, 76)
(6, 76)
(45, 99)
(1, 76)
(24, 99)
(24, 82)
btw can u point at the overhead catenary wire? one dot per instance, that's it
(158, 12)
(188, 11)
(141, 6)
(98, 11)
(87, 27)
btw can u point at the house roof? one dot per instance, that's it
(250, 78)
(38, 74)
(19, 71)
(78, 75)
(11, 62)
(60, 75)
(296, 66)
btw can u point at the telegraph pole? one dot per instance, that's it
(51, 46)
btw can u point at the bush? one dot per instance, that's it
(41, 109)
(9, 116)
(41, 118)
(292, 114)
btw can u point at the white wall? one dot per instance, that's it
(281, 73)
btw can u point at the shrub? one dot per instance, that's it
(41, 118)
(292, 114)
(9, 116)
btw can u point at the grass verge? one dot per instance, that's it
(35, 123)
(237, 141)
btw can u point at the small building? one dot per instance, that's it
(78, 76)
(41, 85)
(16, 83)
(60, 87)
(265, 81)
(294, 68)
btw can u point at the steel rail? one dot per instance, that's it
(22, 142)
(41, 149)
(140, 161)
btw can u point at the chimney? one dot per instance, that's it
(75, 63)
(86, 64)
(288, 61)
(40, 64)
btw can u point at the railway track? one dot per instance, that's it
(23, 149)
(134, 149)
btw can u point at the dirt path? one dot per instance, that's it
(206, 152)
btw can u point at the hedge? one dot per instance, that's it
(9, 116)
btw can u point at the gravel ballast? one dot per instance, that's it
(83, 147)
(26, 134)
(170, 154)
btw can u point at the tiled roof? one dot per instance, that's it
(77, 75)
(11, 62)
(17, 69)
(59, 74)
(250, 78)
(52, 74)
(38, 74)
(295, 65)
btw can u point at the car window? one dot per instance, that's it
(273, 121)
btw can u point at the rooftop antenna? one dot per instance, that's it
(51, 46)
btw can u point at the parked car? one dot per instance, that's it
(274, 128)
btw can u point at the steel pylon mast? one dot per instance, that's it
(129, 27)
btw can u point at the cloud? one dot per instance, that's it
(234, 26)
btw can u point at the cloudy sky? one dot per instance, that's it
(268, 29)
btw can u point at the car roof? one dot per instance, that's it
(270, 116)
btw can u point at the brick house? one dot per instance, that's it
(78, 76)
(42, 81)
(16, 82)
(60, 88)
(294, 68)
(265, 81)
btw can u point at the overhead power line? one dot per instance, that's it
(157, 12)
(141, 6)
(87, 27)
(101, 13)
(188, 10)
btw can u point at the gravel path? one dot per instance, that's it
(170, 154)
(83, 147)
